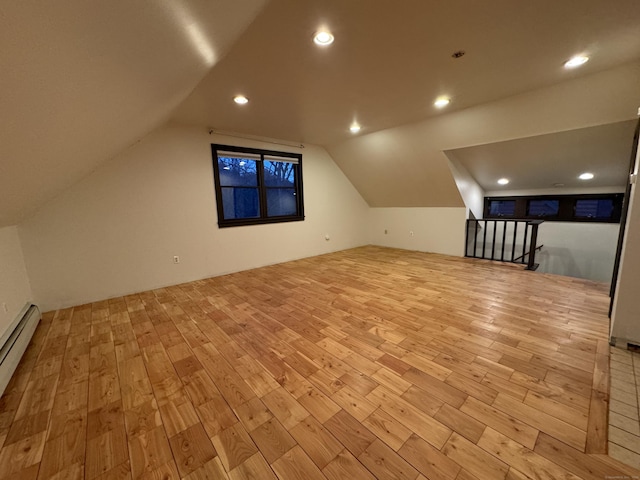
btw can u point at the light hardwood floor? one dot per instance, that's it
(367, 363)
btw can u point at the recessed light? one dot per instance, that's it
(576, 61)
(241, 99)
(503, 181)
(586, 176)
(354, 128)
(442, 102)
(323, 38)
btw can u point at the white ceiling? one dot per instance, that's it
(541, 161)
(81, 81)
(391, 59)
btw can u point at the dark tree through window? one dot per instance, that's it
(257, 186)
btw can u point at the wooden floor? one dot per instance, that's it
(368, 363)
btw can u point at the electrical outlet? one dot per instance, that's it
(176, 259)
(411, 233)
(327, 237)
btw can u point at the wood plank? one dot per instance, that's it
(350, 432)
(502, 422)
(460, 422)
(296, 464)
(428, 460)
(429, 353)
(234, 446)
(346, 467)
(384, 463)
(598, 423)
(150, 452)
(285, 408)
(316, 441)
(109, 450)
(474, 459)
(428, 428)
(541, 421)
(586, 466)
(522, 458)
(272, 439)
(253, 468)
(435, 387)
(387, 429)
(318, 404)
(354, 403)
(253, 413)
(191, 449)
(572, 415)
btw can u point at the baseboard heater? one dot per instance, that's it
(15, 341)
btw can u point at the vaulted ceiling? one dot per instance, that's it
(554, 159)
(81, 81)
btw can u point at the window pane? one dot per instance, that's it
(500, 208)
(279, 174)
(281, 201)
(237, 171)
(240, 202)
(543, 208)
(602, 208)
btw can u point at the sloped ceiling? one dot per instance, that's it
(407, 166)
(543, 161)
(83, 80)
(391, 59)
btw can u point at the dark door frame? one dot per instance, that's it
(623, 219)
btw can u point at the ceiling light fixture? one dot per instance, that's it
(354, 128)
(576, 61)
(323, 38)
(586, 176)
(442, 102)
(241, 99)
(503, 181)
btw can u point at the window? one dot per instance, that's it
(597, 209)
(257, 186)
(502, 208)
(563, 208)
(543, 208)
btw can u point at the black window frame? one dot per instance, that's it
(262, 188)
(566, 210)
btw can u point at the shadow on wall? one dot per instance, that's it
(574, 249)
(565, 261)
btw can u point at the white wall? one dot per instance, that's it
(625, 317)
(116, 232)
(471, 192)
(575, 249)
(435, 229)
(15, 291)
(583, 250)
